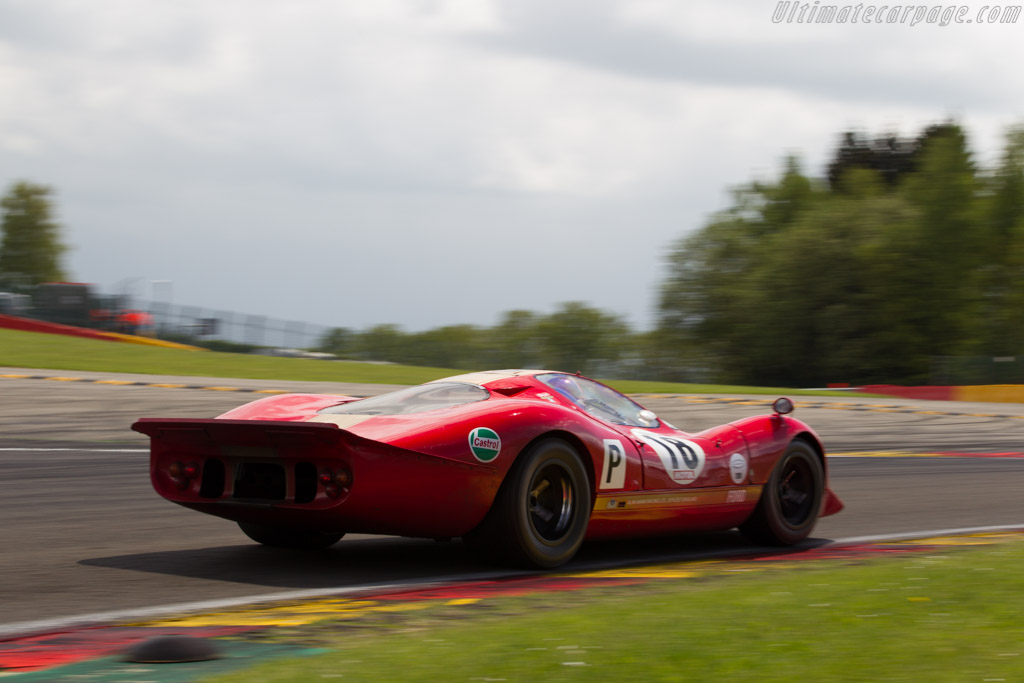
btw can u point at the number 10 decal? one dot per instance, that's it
(682, 459)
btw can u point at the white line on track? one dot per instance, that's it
(26, 628)
(76, 450)
(934, 533)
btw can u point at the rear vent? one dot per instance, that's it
(509, 391)
(259, 481)
(305, 482)
(213, 479)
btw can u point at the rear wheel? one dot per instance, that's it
(284, 537)
(540, 515)
(791, 499)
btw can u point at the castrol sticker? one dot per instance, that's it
(682, 459)
(485, 444)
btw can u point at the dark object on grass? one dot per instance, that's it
(172, 649)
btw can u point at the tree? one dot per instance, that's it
(891, 157)
(513, 342)
(339, 341)
(451, 346)
(712, 307)
(950, 256)
(578, 337)
(999, 315)
(382, 343)
(30, 246)
(910, 254)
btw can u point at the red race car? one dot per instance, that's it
(523, 464)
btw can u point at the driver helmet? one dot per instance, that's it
(568, 386)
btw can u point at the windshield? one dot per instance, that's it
(414, 400)
(600, 401)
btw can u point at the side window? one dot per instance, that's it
(414, 400)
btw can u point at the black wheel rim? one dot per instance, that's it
(796, 492)
(551, 502)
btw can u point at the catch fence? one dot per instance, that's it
(174, 322)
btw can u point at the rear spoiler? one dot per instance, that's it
(191, 433)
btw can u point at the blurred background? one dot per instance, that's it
(743, 192)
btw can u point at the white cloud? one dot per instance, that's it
(266, 155)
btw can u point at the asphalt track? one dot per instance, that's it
(82, 532)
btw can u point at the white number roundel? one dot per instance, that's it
(683, 460)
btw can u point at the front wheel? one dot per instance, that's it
(284, 537)
(540, 515)
(791, 499)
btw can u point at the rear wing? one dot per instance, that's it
(284, 438)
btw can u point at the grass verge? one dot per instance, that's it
(952, 615)
(56, 352)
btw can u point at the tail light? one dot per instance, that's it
(343, 478)
(182, 475)
(335, 482)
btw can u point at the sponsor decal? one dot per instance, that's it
(737, 496)
(675, 499)
(683, 460)
(664, 500)
(485, 444)
(614, 474)
(738, 468)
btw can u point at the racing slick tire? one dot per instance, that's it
(791, 499)
(540, 515)
(284, 537)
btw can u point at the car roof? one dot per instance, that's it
(488, 376)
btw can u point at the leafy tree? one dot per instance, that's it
(833, 302)
(891, 157)
(712, 303)
(797, 285)
(381, 342)
(453, 346)
(30, 246)
(1002, 297)
(578, 337)
(340, 341)
(952, 239)
(784, 202)
(1007, 189)
(513, 342)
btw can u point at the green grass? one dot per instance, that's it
(952, 616)
(56, 352)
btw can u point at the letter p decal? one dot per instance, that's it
(614, 474)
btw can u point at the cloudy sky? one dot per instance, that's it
(432, 162)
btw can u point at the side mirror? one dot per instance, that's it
(647, 416)
(782, 406)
